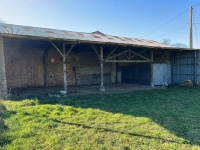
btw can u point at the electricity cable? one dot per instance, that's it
(196, 31)
(166, 23)
(162, 35)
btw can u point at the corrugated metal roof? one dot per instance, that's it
(95, 37)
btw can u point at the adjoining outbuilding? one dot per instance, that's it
(40, 57)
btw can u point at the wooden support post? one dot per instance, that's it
(69, 51)
(45, 68)
(3, 82)
(152, 83)
(57, 48)
(102, 88)
(64, 69)
(111, 53)
(95, 49)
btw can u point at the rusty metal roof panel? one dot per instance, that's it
(70, 35)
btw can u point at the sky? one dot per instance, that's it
(126, 18)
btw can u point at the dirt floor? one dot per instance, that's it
(83, 90)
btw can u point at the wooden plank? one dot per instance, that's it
(3, 82)
(56, 48)
(129, 61)
(111, 52)
(95, 49)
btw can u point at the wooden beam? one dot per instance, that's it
(102, 88)
(137, 54)
(111, 52)
(134, 55)
(69, 51)
(56, 48)
(95, 49)
(64, 69)
(126, 56)
(129, 61)
(114, 56)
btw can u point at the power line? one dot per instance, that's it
(166, 23)
(196, 31)
(162, 35)
(196, 5)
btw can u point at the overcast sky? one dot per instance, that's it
(127, 18)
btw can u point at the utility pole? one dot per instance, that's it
(191, 46)
(191, 40)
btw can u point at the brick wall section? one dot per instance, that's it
(55, 70)
(24, 67)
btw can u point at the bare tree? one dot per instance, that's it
(180, 45)
(166, 41)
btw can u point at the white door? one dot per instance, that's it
(161, 74)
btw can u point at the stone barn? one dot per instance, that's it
(40, 57)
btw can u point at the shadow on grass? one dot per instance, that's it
(176, 109)
(3, 139)
(115, 131)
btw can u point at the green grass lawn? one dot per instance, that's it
(157, 119)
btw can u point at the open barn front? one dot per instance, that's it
(33, 64)
(37, 65)
(33, 57)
